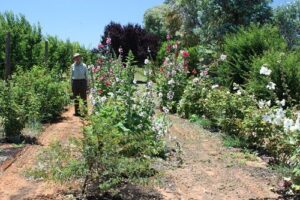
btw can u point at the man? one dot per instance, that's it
(79, 81)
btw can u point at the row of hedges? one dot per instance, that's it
(35, 95)
(28, 45)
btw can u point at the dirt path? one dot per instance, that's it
(213, 172)
(209, 171)
(14, 185)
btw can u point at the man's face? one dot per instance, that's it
(77, 59)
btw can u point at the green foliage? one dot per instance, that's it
(172, 78)
(154, 21)
(287, 18)
(114, 150)
(234, 141)
(192, 101)
(204, 122)
(31, 96)
(285, 74)
(28, 45)
(11, 112)
(217, 18)
(243, 47)
(162, 52)
(42, 95)
(183, 16)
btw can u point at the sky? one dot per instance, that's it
(82, 20)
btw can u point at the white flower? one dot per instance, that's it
(196, 80)
(111, 94)
(171, 82)
(146, 62)
(150, 84)
(236, 86)
(103, 99)
(214, 86)
(264, 70)
(134, 81)
(287, 124)
(238, 92)
(223, 57)
(261, 103)
(271, 86)
(166, 110)
(279, 116)
(160, 95)
(296, 127)
(267, 118)
(173, 73)
(268, 103)
(170, 95)
(142, 114)
(282, 102)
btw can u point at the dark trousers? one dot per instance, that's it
(79, 89)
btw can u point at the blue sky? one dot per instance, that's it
(82, 20)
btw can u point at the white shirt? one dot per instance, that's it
(79, 71)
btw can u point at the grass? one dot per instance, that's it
(233, 141)
(206, 123)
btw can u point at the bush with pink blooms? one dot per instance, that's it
(172, 78)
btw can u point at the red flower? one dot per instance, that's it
(185, 54)
(194, 71)
(107, 83)
(100, 91)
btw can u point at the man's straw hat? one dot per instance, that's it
(76, 55)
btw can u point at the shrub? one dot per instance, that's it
(44, 94)
(192, 101)
(162, 52)
(285, 73)
(243, 47)
(11, 112)
(31, 96)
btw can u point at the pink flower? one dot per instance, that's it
(185, 54)
(96, 69)
(108, 41)
(168, 37)
(100, 46)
